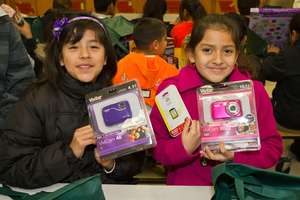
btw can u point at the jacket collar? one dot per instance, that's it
(189, 78)
(76, 89)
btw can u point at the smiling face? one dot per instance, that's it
(85, 59)
(215, 55)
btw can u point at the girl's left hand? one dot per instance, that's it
(107, 164)
(222, 155)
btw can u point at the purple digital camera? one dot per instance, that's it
(116, 113)
(226, 109)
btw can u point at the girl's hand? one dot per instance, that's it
(82, 137)
(222, 155)
(191, 135)
(107, 164)
(9, 10)
(272, 49)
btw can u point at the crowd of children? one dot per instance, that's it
(46, 137)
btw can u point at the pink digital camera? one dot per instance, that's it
(226, 109)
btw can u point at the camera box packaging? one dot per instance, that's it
(172, 109)
(120, 121)
(227, 113)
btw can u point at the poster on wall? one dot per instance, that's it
(272, 24)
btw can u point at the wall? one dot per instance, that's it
(38, 7)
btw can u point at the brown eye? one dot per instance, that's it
(207, 50)
(229, 51)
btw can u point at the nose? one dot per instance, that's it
(218, 58)
(84, 52)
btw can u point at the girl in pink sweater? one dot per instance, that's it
(213, 51)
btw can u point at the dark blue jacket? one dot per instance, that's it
(16, 71)
(284, 68)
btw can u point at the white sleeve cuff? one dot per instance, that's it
(111, 170)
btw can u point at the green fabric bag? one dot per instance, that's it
(119, 28)
(87, 188)
(242, 182)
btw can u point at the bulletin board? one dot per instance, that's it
(272, 24)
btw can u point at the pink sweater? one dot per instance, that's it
(185, 169)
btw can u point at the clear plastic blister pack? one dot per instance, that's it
(120, 121)
(227, 113)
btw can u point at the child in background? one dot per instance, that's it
(248, 63)
(189, 12)
(283, 68)
(48, 139)
(105, 8)
(155, 9)
(145, 64)
(213, 49)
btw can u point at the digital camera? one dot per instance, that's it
(116, 113)
(226, 109)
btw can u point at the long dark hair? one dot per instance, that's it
(194, 8)
(54, 71)
(214, 21)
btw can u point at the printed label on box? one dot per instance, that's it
(172, 109)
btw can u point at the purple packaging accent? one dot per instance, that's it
(279, 12)
(120, 140)
(119, 120)
(116, 113)
(226, 109)
(272, 24)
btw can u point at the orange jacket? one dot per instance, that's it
(150, 71)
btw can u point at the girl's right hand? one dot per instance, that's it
(82, 137)
(191, 135)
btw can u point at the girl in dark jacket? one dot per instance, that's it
(284, 69)
(48, 138)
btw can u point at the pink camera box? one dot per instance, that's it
(227, 113)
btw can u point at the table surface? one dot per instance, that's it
(141, 192)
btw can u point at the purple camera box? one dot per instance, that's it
(120, 121)
(227, 113)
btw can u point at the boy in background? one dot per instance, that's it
(104, 8)
(145, 64)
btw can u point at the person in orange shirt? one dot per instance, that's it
(145, 63)
(189, 11)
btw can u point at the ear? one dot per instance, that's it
(294, 36)
(190, 55)
(61, 62)
(105, 61)
(155, 45)
(244, 40)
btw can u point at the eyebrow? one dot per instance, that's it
(94, 41)
(210, 45)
